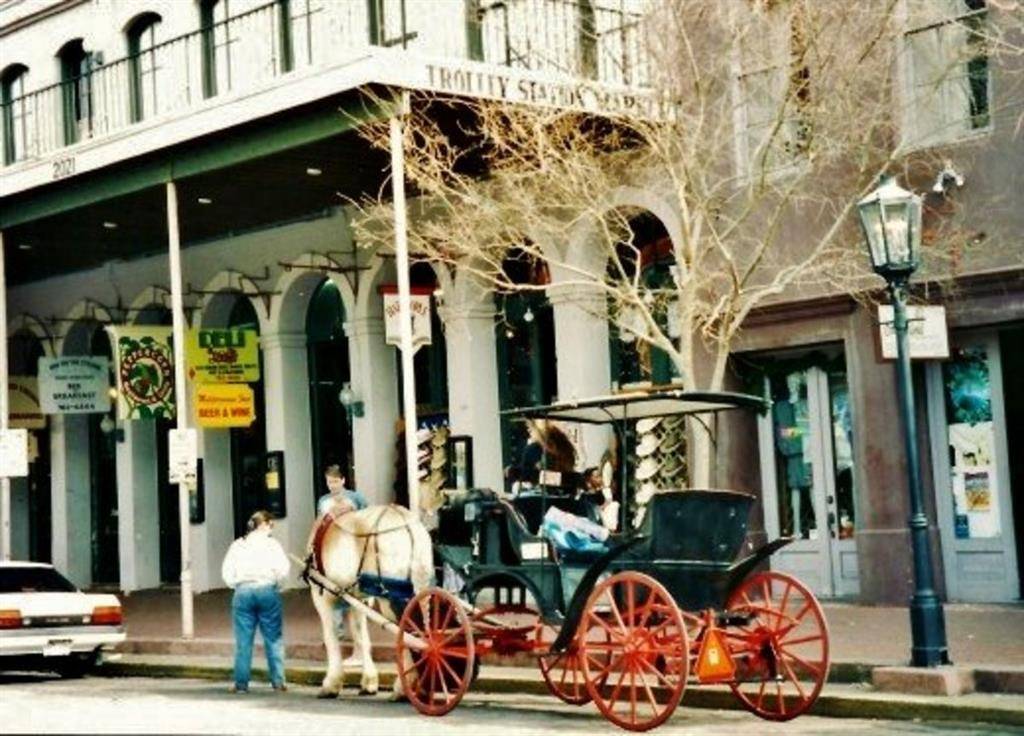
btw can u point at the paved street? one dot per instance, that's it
(103, 705)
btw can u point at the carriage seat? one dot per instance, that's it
(706, 526)
(532, 507)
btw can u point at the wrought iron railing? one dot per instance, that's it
(596, 39)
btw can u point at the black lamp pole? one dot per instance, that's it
(891, 220)
(927, 620)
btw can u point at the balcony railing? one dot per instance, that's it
(583, 38)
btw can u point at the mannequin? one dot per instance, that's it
(792, 436)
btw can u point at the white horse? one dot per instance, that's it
(388, 541)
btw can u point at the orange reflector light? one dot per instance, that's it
(106, 616)
(714, 663)
(10, 618)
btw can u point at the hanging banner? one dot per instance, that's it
(74, 385)
(223, 356)
(221, 405)
(145, 371)
(23, 400)
(419, 306)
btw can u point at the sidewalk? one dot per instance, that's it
(986, 642)
(978, 634)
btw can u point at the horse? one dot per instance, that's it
(379, 543)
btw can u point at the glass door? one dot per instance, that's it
(808, 477)
(971, 471)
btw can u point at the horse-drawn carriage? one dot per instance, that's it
(627, 626)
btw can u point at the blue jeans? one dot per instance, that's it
(251, 606)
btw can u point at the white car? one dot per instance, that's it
(47, 623)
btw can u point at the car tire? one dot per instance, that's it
(76, 666)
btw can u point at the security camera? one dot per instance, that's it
(947, 178)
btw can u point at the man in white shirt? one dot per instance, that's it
(254, 567)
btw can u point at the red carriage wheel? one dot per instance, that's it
(781, 654)
(435, 652)
(637, 675)
(563, 671)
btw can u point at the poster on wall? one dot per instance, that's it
(145, 371)
(971, 431)
(23, 403)
(419, 305)
(74, 385)
(223, 355)
(224, 405)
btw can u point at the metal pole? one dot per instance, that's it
(5, 483)
(927, 621)
(404, 307)
(180, 414)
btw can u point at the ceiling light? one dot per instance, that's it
(313, 171)
(24, 246)
(110, 225)
(204, 200)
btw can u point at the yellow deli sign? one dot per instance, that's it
(223, 356)
(224, 405)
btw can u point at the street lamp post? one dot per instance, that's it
(891, 220)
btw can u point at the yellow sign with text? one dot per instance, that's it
(223, 356)
(219, 405)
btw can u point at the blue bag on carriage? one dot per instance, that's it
(570, 532)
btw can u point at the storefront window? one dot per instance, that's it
(971, 437)
(842, 439)
(791, 428)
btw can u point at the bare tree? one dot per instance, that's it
(763, 123)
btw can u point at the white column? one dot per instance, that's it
(584, 364)
(138, 510)
(5, 483)
(375, 381)
(218, 530)
(181, 413)
(286, 396)
(404, 310)
(70, 497)
(473, 403)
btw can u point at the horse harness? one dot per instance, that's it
(334, 516)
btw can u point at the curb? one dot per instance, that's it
(828, 705)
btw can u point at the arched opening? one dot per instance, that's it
(142, 35)
(15, 112)
(527, 364)
(329, 371)
(430, 363)
(76, 84)
(103, 481)
(156, 448)
(213, 16)
(633, 361)
(31, 537)
(248, 444)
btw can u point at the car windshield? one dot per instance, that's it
(33, 580)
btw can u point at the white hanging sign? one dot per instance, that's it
(74, 385)
(182, 455)
(419, 307)
(926, 332)
(13, 453)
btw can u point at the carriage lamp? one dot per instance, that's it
(109, 427)
(890, 217)
(347, 397)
